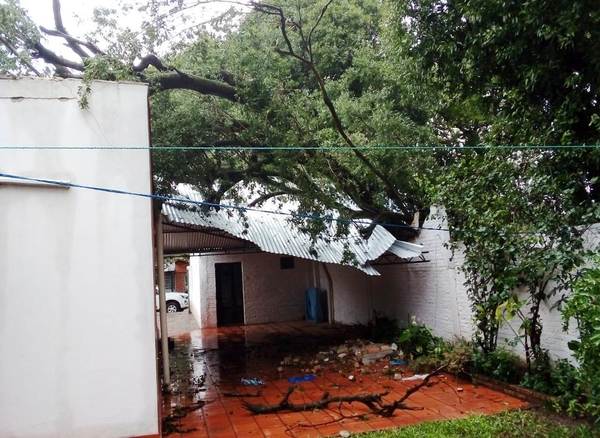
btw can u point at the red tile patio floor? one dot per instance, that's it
(207, 365)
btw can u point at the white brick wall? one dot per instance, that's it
(271, 294)
(352, 300)
(434, 292)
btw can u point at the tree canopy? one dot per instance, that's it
(287, 74)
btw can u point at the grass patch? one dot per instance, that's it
(508, 424)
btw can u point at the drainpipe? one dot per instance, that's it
(162, 302)
(330, 304)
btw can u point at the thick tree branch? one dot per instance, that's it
(265, 197)
(180, 80)
(39, 51)
(91, 46)
(150, 60)
(58, 23)
(374, 401)
(370, 400)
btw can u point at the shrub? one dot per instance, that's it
(500, 364)
(557, 379)
(584, 307)
(456, 355)
(417, 340)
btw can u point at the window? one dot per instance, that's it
(170, 280)
(286, 262)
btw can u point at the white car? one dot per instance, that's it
(176, 301)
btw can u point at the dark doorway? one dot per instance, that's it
(230, 301)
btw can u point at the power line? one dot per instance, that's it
(211, 204)
(342, 148)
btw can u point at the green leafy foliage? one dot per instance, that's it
(378, 101)
(557, 379)
(457, 356)
(583, 309)
(17, 35)
(417, 340)
(517, 226)
(500, 364)
(531, 69)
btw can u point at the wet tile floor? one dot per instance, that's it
(207, 365)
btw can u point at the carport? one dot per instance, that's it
(193, 230)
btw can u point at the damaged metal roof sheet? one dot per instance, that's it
(275, 234)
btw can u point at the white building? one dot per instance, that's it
(77, 318)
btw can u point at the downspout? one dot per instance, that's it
(162, 302)
(330, 295)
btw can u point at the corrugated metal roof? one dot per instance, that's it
(276, 234)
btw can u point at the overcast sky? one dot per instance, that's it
(41, 12)
(77, 15)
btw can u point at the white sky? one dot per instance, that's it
(41, 13)
(77, 14)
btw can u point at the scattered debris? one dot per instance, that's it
(252, 382)
(398, 362)
(398, 376)
(459, 389)
(355, 353)
(351, 378)
(344, 433)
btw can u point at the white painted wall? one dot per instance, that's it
(352, 298)
(77, 312)
(434, 292)
(271, 294)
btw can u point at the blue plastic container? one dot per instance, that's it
(315, 305)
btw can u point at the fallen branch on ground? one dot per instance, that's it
(374, 401)
(369, 400)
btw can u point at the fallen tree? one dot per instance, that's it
(374, 401)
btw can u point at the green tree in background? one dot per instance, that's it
(512, 72)
(283, 74)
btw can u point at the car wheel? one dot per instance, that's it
(173, 306)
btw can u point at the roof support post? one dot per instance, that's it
(162, 302)
(330, 303)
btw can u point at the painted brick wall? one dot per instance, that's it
(181, 267)
(435, 294)
(271, 294)
(352, 300)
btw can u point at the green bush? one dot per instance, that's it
(500, 364)
(457, 356)
(583, 306)
(417, 340)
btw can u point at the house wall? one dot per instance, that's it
(271, 294)
(77, 318)
(435, 294)
(352, 299)
(181, 267)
